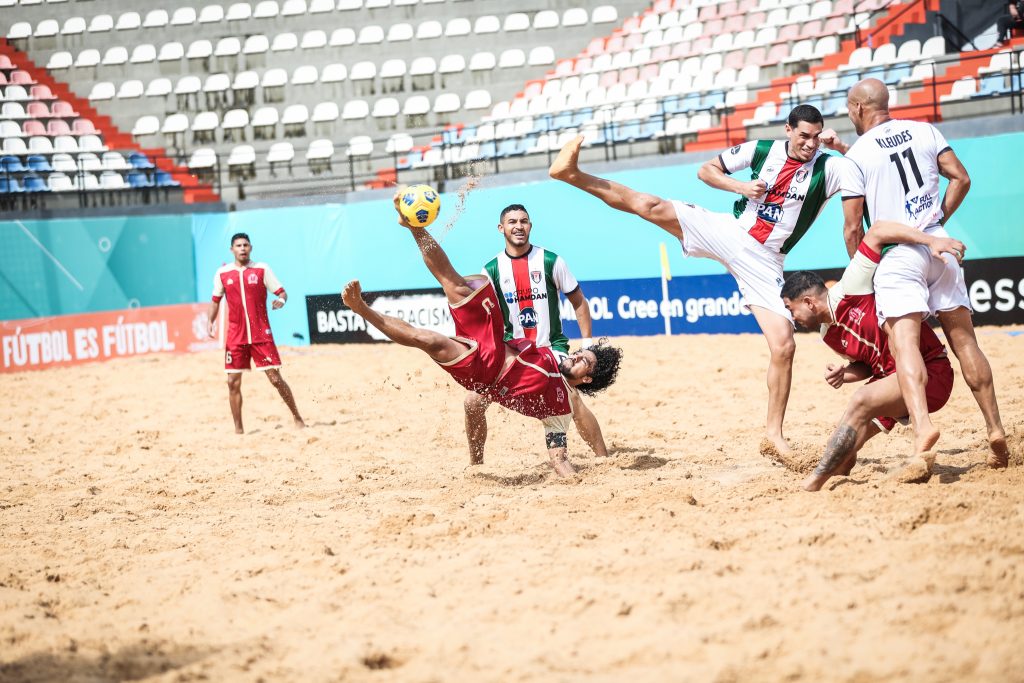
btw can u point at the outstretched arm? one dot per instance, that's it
(454, 285)
(712, 174)
(959, 183)
(890, 232)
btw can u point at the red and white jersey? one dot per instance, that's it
(246, 290)
(895, 169)
(855, 333)
(532, 385)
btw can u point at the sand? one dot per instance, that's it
(141, 540)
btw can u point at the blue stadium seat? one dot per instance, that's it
(39, 164)
(897, 73)
(487, 149)
(581, 116)
(542, 124)
(992, 84)
(835, 102)
(847, 80)
(626, 130)
(165, 179)
(563, 120)
(11, 164)
(714, 99)
(690, 103)
(672, 105)
(139, 160)
(34, 183)
(9, 186)
(139, 179)
(652, 127)
(510, 147)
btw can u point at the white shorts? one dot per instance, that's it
(718, 236)
(909, 280)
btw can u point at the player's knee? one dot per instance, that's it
(234, 381)
(475, 403)
(783, 349)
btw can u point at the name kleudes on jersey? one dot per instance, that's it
(901, 138)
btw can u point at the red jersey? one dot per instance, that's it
(855, 333)
(246, 292)
(533, 385)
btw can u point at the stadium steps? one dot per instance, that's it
(891, 23)
(113, 138)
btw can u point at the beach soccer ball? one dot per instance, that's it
(419, 204)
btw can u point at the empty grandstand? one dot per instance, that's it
(104, 103)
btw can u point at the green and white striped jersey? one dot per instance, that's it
(528, 288)
(797, 191)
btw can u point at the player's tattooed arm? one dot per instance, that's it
(839, 446)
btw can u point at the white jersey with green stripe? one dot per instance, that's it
(797, 191)
(528, 288)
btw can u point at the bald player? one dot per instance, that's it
(791, 180)
(894, 176)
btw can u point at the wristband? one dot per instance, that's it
(586, 343)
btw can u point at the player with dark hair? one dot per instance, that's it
(517, 374)
(248, 338)
(528, 279)
(848, 319)
(791, 180)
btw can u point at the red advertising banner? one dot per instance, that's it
(37, 343)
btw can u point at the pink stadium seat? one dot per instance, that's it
(788, 33)
(662, 6)
(22, 78)
(661, 53)
(650, 71)
(834, 26)
(708, 12)
(631, 25)
(736, 59)
(633, 41)
(3, 78)
(609, 78)
(84, 127)
(37, 110)
(754, 21)
(596, 47)
(33, 127)
(58, 127)
(63, 109)
(841, 8)
(682, 49)
(41, 92)
(5, 62)
(756, 56)
(729, 8)
(615, 43)
(713, 28)
(581, 65)
(629, 76)
(777, 53)
(701, 45)
(734, 24)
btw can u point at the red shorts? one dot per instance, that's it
(937, 391)
(479, 323)
(264, 355)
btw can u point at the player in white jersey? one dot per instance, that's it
(791, 182)
(894, 176)
(527, 280)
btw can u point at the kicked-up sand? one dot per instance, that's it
(140, 539)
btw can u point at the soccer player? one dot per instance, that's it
(791, 182)
(244, 284)
(517, 374)
(847, 317)
(527, 279)
(894, 176)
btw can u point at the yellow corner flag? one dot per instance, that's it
(665, 272)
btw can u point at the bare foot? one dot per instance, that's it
(774, 445)
(1000, 456)
(563, 468)
(239, 430)
(815, 481)
(847, 466)
(926, 439)
(917, 469)
(566, 164)
(299, 423)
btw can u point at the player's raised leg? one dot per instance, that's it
(476, 425)
(455, 286)
(905, 337)
(651, 208)
(959, 331)
(235, 399)
(855, 427)
(778, 332)
(439, 347)
(274, 375)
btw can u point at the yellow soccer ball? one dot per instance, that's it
(420, 205)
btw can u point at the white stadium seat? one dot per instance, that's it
(546, 19)
(228, 47)
(47, 28)
(239, 11)
(204, 157)
(459, 26)
(313, 40)
(320, 149)
(325, 112)
(274, 78)
(284, 42)
(541, 55)
(171, 52)
(143, 54)
(355, 109)
(158, 87)
(446, 103)
(102, 90)
(265, 116)
(429, 29)
(362, 71)
(359, 146)
(156, 18)
(187, 85)
(385, 107)
(129, 21)
(242, 155)
(268, 9)
(115, 55)
(423, 66)
(341, 37)
(217, 83)
(183, 16)
(487, 24)
(399, 143)
(393, 68)
(333, 73)
(280, 152)
(513, 57)
(199, 49)
(60, 60)
(19, 29)
(451, 64)
(517, 21)
(575, 16)
(399, 33)
(482, 61)
(211, 14)
(205, 121)
(304, 75)
(417, 104)
(101, 23)
(295, 114)
(130, 90)
(604, 14)
(175, 123)
(370, 35)
(111, 180)
(256, 44)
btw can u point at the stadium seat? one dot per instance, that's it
(12, 164)
(113, 161)
(33, 183)
(102, 90)
(202, 158)
(326, 112)
(60, 60)
(964, 88)
(38, 164)
(138, 180)
(164, 179)
(156, 18)
(61, 182)
(111, 180)
(10, 186)
(355, 109)
(281, 152)
(130, 90)
(183, 16)
(159, 87)
(139, 160)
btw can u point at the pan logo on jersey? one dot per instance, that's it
(770, 213)
(528, 318)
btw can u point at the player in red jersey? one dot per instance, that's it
(516, 374)
(848, 318)
(245, 284)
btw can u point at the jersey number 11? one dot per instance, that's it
(908, 154)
